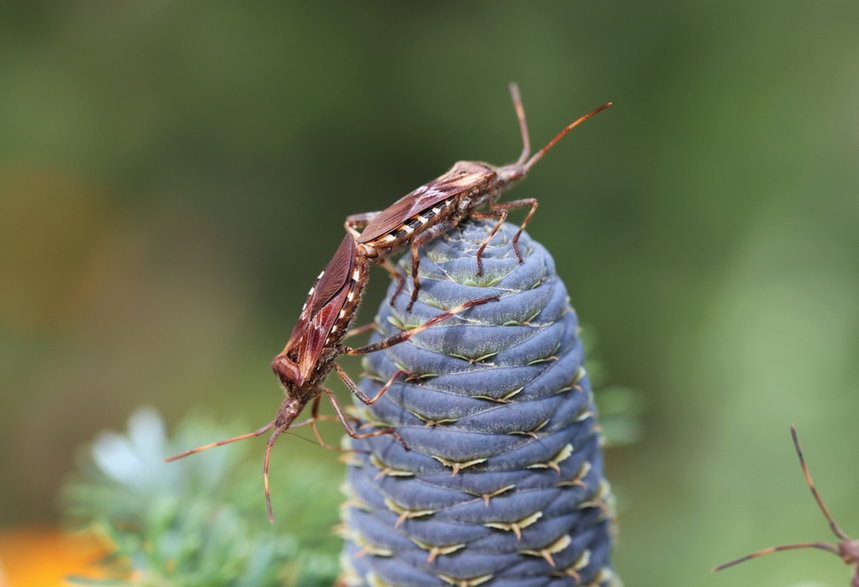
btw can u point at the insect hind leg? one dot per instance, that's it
(842, 550)
(407, 334)
(836, 529)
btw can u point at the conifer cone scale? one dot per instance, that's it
(502, 483)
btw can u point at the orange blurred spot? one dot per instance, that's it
(44, 557)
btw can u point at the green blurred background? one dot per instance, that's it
(174, 175)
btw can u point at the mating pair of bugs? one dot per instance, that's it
(332, 303)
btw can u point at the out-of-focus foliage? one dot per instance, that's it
(173, 175)
(621, 408)
(201, 520)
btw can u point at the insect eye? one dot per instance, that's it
(292, 356)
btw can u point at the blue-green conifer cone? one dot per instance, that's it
(502, 483)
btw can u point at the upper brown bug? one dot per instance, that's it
(847, 548)
(315, 343)
(441, 204)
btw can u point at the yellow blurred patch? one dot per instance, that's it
(53, 226)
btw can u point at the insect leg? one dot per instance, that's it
(532, 202)
(323, 418)
(359, 393)
(501, 214)
(772, 549)
(810, 482)
(360, 330)
(358, 221)
(430, 233)
(405, 335)
(317, 418)
(348, 427)
(392, 271)
(836, 550)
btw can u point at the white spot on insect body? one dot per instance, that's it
(350, 296)
(407, 228)
(355, 275)
(341, 314)
(421, 219)
(389, 238)
(437, 209)
(321, 273)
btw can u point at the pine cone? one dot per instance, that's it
(502, 483)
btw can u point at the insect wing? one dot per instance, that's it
(335, 276)
(318, 331)
(328, 293)
(423, 198)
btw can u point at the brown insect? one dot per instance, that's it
(313, 346)
(444, 202)
(847, 549)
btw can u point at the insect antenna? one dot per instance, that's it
(523, 125)
(269, 446)
(539, 155)
(819, 545)
(254, 434)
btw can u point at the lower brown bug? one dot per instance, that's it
(847, 549)
(315, 343)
